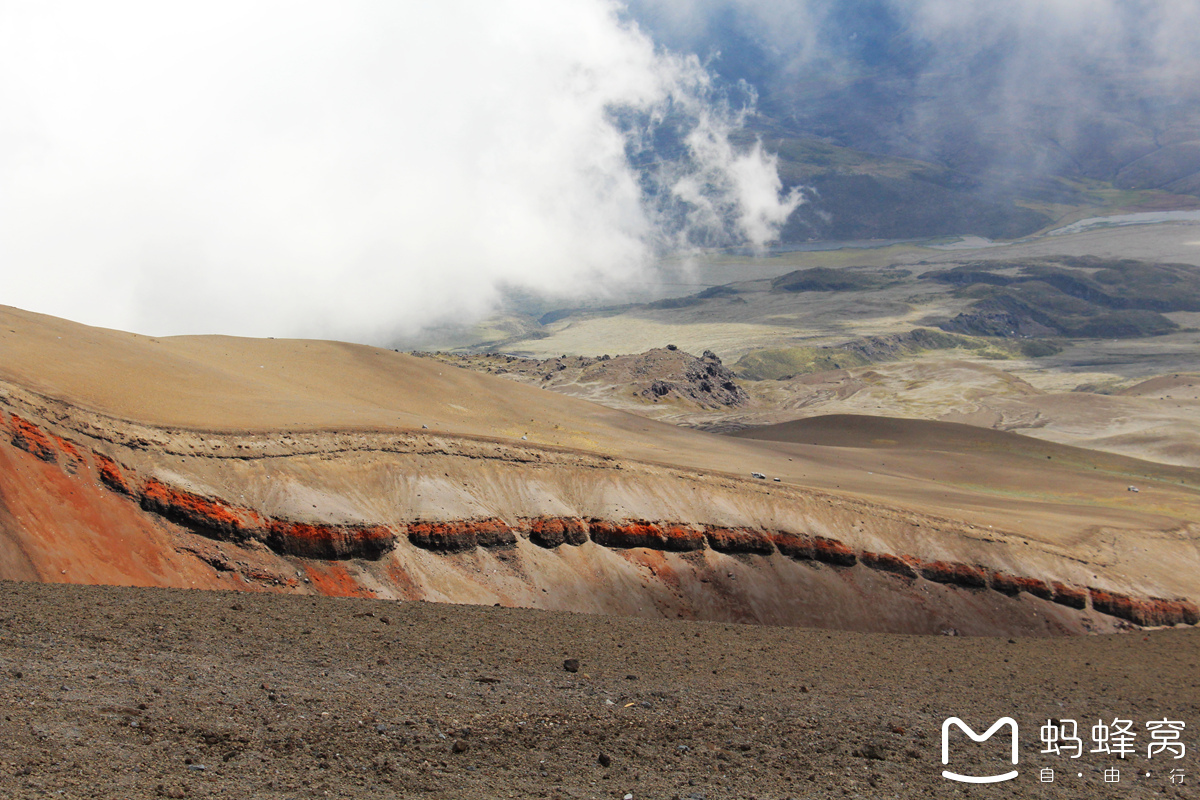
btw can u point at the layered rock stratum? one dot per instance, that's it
(321, 467)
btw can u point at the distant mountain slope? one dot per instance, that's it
(911, 119)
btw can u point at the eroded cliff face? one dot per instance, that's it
(92, 499)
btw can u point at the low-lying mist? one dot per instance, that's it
(355, 170)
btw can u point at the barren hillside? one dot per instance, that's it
(305, 466)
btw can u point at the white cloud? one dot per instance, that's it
(348, 169)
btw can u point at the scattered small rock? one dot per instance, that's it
(872, 751)
(571, 665)
(605, 760)
(460, 746)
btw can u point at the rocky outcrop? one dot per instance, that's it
(110, 474)
(640, 533)
(219, 520)
(455, 537)
(208, 516)
(794, 546)
(831, 551)
(705, 381)
(1144, 611)
(550, 532)
(664, 373)
(682, 538)
(905, 567)
(1070, 596)
(739, 540)
(31, 439)
(329, 542)
(968, 575)
(1013, 585)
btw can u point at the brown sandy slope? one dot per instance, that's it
(1155, 419)
(136, 694)
(981, 472)
(305, 466)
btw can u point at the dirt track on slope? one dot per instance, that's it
(140, 693)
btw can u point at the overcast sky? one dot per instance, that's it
(346, 169)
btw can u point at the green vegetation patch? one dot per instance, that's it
(824, 279)
(677, 302)
(1084, 297)
(782, 363)
(777, 364)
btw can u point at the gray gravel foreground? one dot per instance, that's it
(142, 693)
